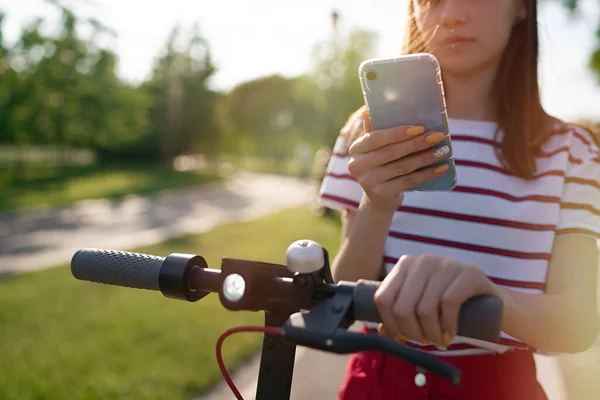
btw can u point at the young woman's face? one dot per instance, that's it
(467, 35)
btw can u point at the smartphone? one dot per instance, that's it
(408, 90)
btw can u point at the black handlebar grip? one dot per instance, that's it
(120, 268)
(479, 318)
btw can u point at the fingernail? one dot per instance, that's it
(441, 169)
(446, 338)
(415, 130)
(435, 138)
(441, 152)
(401, 338)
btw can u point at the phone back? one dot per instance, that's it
(408, 90)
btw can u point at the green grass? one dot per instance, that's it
(61, 338)
(43, 185)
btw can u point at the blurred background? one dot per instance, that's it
(199, 127)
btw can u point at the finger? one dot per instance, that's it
(429, 308)
(415, 146)
(401, 183)
(383, 331)
(380, 138)
(406, 165)
(398, 152)
(367, 125)
(462, 288)
(386, 294)
(406, 303)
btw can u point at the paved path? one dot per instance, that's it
(317, 375)
(44, 238)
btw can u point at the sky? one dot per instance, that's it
(249, 39)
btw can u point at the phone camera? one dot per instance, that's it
(371, 75)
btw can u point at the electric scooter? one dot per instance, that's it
(302, 305)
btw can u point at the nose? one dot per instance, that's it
(454, 14)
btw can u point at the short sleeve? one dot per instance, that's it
(339, 189)
(580, 200)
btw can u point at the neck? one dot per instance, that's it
(469, 96)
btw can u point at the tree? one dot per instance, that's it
(62, 90)
(8, 90)
(269, 115)
(183, 116)
(335, 71)
(573, 6)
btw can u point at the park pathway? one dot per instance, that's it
(48, 237)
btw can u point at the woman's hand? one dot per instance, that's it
(385, 161)
(420, 299)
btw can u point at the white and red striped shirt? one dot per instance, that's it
(504, 224)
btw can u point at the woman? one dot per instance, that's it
(521, 224)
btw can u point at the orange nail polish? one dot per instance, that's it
(440, 169)
(401, 338)
(415, 131)
(446, 338)
(435, 138)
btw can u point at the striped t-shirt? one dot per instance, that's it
(503, 224)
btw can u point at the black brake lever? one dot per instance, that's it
(344, 342)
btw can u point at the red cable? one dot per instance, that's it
(273, 331)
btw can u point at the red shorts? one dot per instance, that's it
(378, 376)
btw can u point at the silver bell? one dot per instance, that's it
(305, 257)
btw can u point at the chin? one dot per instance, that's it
(461, 64)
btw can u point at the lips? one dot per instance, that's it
(456, 39)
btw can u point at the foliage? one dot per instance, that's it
(573, 7)
(336, 72)
(62, 90)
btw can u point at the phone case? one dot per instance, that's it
(408, 90)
